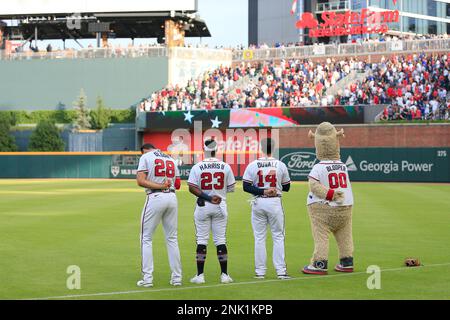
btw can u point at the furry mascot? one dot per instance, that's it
(330, 202)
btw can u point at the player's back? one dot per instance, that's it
(266, 173)
(333, 175)
(159, 167)
(213, 177)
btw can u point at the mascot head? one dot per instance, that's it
(326, 139)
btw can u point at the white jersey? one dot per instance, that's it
(334, 175)
(266, 173)
(213, 177)
(159, 167)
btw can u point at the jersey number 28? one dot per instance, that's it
(164, 168)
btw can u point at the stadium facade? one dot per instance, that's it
(417, 17)
(273, 22)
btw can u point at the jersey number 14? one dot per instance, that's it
(269, 178)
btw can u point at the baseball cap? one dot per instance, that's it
(210, 145)
(147, 146)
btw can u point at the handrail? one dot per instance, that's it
(350, 49)
(88, 53)
(294, 52)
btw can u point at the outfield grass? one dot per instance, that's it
(46, 226)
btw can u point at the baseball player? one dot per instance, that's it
(159, 175)
(266, 179)
(210, 181)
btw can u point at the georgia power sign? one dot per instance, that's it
(388, 167)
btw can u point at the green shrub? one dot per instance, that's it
(7, 141)
(8, 117)
(123, 116)
(61, 116)
(101, 116)
(46, 138)
(83, 118)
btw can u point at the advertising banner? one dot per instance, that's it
(253, 118)
(378, 164)
(364, 164)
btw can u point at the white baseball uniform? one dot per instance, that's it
(333, 175)
(160, 206)
(266, 173)
(214, 178)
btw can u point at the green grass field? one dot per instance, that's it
(46, 226)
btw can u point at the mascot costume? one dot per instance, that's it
(330, 202)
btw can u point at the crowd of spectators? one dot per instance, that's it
(291, 83)
(414, 86)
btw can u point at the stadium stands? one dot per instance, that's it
(414, 86)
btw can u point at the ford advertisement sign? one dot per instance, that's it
(299, 163)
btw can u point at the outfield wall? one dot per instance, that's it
(364, 164)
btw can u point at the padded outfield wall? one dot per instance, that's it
(386, 153)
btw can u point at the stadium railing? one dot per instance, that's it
(333, 50)
(88, 53)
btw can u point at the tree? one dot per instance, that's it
(83, 119)
(7, 141)
(46, 138)
(101, 116)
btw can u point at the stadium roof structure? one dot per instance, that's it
(117, 25)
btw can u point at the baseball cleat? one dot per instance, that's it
(283, 277)
(345, 265)
(312, 270)
(199, 279)
(224, 278)
(341, 268)
(145, 284)
(261, 277)
(175, 283)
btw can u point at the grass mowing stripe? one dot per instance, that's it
(232, 284)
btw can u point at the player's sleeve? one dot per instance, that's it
(315, 174)
(193, 178)
(285, 178)
(177, 183)
(248, 174)
(143, 165)
(177, 169)
(231, 181)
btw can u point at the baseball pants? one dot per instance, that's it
(211, 218)
(268, 212)
(160, 208)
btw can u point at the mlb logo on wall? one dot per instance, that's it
(115, 171)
